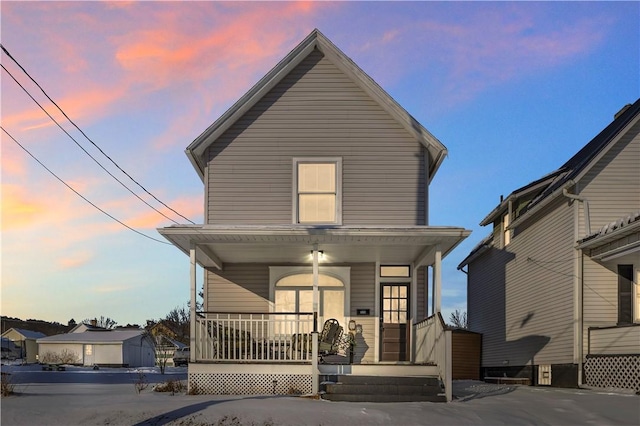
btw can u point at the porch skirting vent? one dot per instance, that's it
(250, 384)
(613, 371)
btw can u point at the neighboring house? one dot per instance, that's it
(82, 327)
(114, 348)
(554, 288)
(25, 341)
(316, 203)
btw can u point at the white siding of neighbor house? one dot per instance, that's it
(485, 302)
(615, 341)
(532, 278)
(612, 187)
(109, 354)
(316, 111)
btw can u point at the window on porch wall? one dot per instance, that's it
(294, 293)
(628, 295)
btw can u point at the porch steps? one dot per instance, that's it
(352, 388)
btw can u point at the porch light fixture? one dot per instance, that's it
(352, 325)
(320, 254)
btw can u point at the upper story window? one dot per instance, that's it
(506, 232)
(317, 186)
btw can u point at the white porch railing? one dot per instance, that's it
(433, 346)
(253, 337)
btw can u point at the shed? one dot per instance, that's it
(114, 348)
(466, 348)
(25, 343)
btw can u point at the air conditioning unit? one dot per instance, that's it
(544, 374)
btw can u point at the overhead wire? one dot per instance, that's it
(89, 139)
(82, 148)
(77, 193)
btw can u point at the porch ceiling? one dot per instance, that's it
(267, 244)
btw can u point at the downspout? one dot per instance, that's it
(578, 286)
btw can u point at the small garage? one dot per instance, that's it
(25, 341)
(466, 348)
(109, 348)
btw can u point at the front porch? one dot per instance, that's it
(260, 353)
(269, 290)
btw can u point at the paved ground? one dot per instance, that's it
(45, 402)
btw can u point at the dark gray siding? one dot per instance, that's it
(316, 111)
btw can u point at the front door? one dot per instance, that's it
(393, 322)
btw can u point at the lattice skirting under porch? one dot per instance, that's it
(613, 371)
(250, 384)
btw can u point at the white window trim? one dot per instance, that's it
(342, 273)
(294, 187)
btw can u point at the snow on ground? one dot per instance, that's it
(477, 403)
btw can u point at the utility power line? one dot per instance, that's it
(82, 148)
(78, 194)
(89, 139)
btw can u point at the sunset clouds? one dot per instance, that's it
(144, 79)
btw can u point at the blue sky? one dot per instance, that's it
(512, 89)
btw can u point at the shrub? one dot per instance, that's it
(173, 386)
(65, 357)
(6, 386)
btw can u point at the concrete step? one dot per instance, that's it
(343, 388)
(382, 388)
(383, 398)
(387, 380)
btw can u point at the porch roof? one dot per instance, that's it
(286, 244)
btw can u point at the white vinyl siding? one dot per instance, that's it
(532, 280)
(615, 341)
(612, 186)
(316, 111)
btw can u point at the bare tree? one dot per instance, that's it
(104, 322)
(458, 319)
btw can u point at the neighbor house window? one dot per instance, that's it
(317, 191)
(506, 232)
(625, 294)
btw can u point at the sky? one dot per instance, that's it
(512, 89)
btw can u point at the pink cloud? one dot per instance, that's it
(76, 259)
(480, 50)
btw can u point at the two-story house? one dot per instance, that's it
(316, 207)
(554, 288)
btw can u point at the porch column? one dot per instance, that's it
(316, 294)
(192, 303)
(315, 385)
(437, 280)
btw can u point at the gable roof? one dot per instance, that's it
(315, 40)
(27, 334)
(109, 336)
(570, 171)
